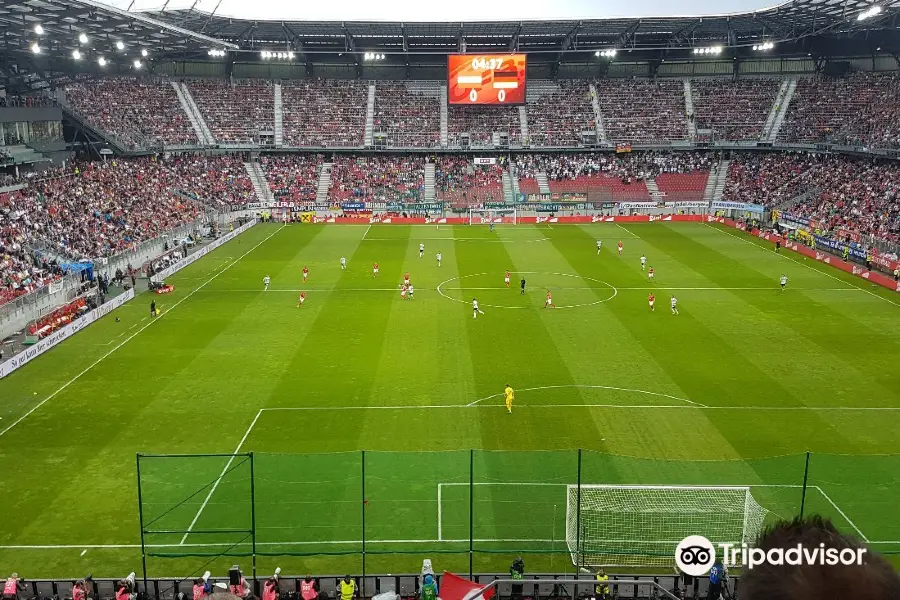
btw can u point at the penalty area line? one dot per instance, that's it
(135, 334)
(221, 475)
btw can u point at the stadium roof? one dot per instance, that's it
(122, 36)
(459, 10)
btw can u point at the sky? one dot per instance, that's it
(457, 10)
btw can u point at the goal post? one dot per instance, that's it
(640, 525)
(497, 216)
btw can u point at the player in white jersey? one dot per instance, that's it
(266, 282)
(411, 290)
(599, 245)
(475, 310)
(643, 262)
(783, 281)
(440, 257)
(343, 263)
(674, 305)
(421, 250)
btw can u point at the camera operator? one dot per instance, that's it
(238, 585)
(12, 587)
(271, 589)
(125, 589)
(82, 590)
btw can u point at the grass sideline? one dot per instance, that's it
(733, 390)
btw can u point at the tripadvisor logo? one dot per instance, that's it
(695, 555)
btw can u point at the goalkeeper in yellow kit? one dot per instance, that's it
(510, 396)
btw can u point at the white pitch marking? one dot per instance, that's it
(614, 406)
(810, 267)
(132, 336)
(456, 239)
(601, 387)
(837, 508)
(367, 231)
(632, 234)
(221, 475)
(610, 286)
(83, 552)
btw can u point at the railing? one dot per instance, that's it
(539, 586)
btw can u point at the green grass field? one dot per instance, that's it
(733, 391)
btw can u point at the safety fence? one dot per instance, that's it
(384, 511)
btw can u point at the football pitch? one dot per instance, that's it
(733, 391)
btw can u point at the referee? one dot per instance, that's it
(522, 285)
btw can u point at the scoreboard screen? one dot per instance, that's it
(486, 79)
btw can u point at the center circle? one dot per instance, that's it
(549, 281)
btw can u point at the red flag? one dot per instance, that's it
(454, 587)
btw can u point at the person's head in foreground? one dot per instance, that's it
(874, 579)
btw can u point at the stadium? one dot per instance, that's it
(534, 298)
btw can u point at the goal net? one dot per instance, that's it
(637, 525)
(497, 216)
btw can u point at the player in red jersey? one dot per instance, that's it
(549, 301)
(406, 279)
(651, 299)
(374, 270)
(620, 248)
(650, 274)
(305, 273)
(403, 290)
(506, 279)
(301, 300)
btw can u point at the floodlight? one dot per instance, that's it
(82, 38)
(102, 61)
(144, 52)
(76, 54)
(120, 45)
(35, 48)
(38, 29)
(137, 64)
(290, 55)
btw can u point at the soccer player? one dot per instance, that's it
(549, 301)
(403, 290)
(510, 396)
(620, 248)
(153, 308)
(492, 226)
(674, 305)
(411, 291)
(305, 273)
(343, 263)
(522, 285)
(301, 300)
(374, 270)
(475, 310)
(406, 279)
(651, 299)
(266, 282)
(421, 249)
(506, 279)
(643, 262)
(650, 274)
(599, 245)
(783, 281)
(440, 257)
